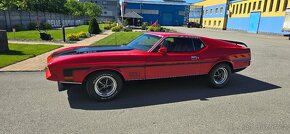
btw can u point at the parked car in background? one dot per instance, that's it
(153, 55)
(194, 24)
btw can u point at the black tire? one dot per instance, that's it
(219, 81)
(96, 91)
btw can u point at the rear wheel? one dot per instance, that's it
(219, 76)
(104, 86)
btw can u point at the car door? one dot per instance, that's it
(180, 60)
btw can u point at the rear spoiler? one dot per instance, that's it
(236, 42)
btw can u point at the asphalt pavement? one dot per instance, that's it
(257, 99)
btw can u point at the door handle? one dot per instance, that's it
(194, 57)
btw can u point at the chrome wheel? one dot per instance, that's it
(220, 75)
(105, 86)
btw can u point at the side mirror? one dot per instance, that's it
(162, 50)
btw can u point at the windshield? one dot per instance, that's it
(144, 42)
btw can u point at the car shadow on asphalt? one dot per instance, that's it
(164, 91)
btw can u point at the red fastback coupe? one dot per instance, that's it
(153, 55)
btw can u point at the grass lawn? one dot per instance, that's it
(56, 34)
(19, 52)
(118, 38)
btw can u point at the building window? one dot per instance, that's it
(271, 5)
(254, 6)
(237, 9)
(259, 5)
(220, 22)
(249, 8)
(206, 11)
(104, 2)
(216, 10)
(245, 8)
(214, 23)
(204, 23)
(210, 11)
(285, 5)
(265, 5)
(278, 5)
(221, 10)
(241, 8)
(209, 23)
(234, 9)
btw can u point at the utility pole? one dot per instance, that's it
(227, 12)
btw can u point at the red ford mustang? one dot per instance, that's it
(102, 70)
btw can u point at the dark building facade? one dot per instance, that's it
(168, 13)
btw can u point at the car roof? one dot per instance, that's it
(166, 34)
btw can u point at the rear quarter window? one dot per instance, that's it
(198, 44)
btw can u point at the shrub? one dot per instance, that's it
(127, 29)
(157, 29)
(45, 36)
(73, 37)
(117, 28)
(82, 35)
(31, 26)
(114, 24)
(125, 22)
(18, 27)
(45, 26)
(107, 26)
(94, 27)
(150, 28)
(107, 22)
(145, 25)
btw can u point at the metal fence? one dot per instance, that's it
(8, 19)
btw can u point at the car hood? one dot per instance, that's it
(90, 49)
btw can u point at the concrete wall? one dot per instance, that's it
(8, 19)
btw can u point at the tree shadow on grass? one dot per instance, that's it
(163, 91)
(12, 52)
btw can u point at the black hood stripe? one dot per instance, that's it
(92, 49)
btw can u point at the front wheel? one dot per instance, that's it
(219, 76)
(104, 86)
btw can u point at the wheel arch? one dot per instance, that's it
(224, 62)
(103, 70)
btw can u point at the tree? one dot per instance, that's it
(83, 8)
(91, 9)
(74, 7)
(94, 26)
(11, 4)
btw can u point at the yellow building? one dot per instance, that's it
(209, 13)
(257, 16)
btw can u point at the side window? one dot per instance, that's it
(181, 45)
(198, 44)
(177, 44)
(165, 43)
